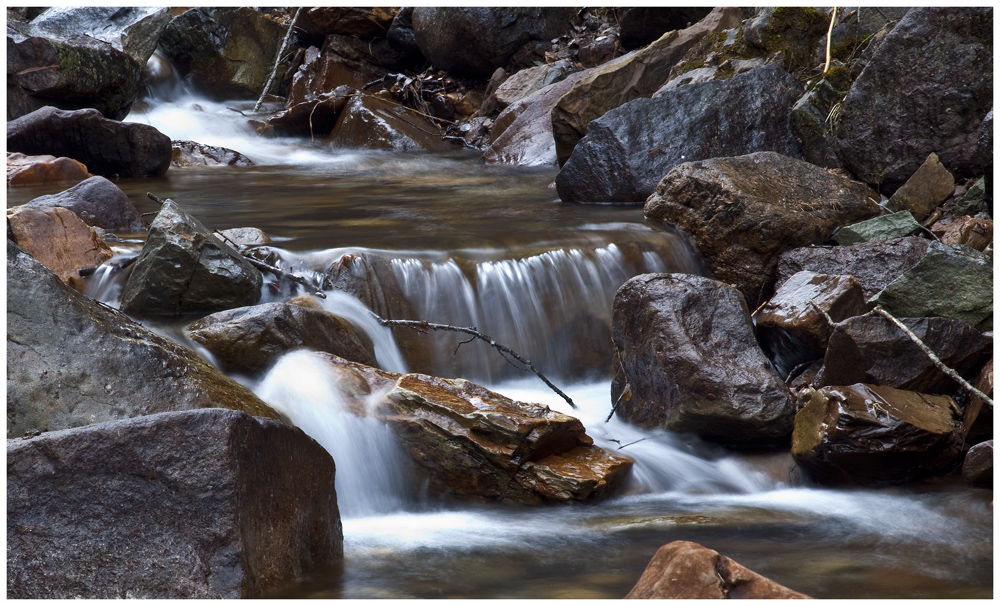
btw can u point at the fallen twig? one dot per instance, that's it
(620, 445)
(115, 267)
(284, 274)
(154, 198)
(626, 389)
(277, 61)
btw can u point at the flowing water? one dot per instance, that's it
(444, 238)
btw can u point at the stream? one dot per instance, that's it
(492, 247)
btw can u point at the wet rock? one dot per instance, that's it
(974, 233)
(930, 85)
(896, 225)
(321, 74)
(365, 22)
(377, 53)
(227, 53)
(808, 119)
(42, 170)
(792, 325)
(978, 415)
(973, 201)
(925, 190)
(376, 123)
(872, 349)
(192, 153)
(246, 236)
(107, 147)
(686, 570)
(133, 30)
(193, 504)
(792, 31)
(868, 434)
(743, 212)
(948, 282)
(629, 149)
(184, 268)
(977, 469)
(528, 81)
(629, 77)
(59, 240)
(250, 339)
(692, 364)
(99, 203)
(640, 26)
(314, 117)
(522, 133)
(71, 362)
(895, 257)
(475, 41)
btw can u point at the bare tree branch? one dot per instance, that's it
(277, 61)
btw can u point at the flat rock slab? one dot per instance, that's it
(896, 225)
(194, 504)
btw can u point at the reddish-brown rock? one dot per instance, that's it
(42, 170)
(374, 123)
(925, 189)
(58, 239)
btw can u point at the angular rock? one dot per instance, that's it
(872, 349)
(42, 170)
(628, 150)
(974, 233)
(59, 240)
(973, 201)
(250, 339)
(925, 190)
(107, 147)
(349, 21)
(792, 31)
(474, 41)
(925, 90)
(191, 153)
(72, 362)
(896, 225)
(685, 570)
(99, 202)
(527, 81)
(808, 119)
(375, 123)
(977, 469)
(316, 116)
(601, 50)
(792, 325)
(640, 26)
(743, 212)
(193, 504)
(895, 257)
(868, 435)
(949, 282)
(629, 77)
(691, 363)
(184, 268)
(246, 236)
(228, 53)
(978, 415)
(133, 30)
(319, 75)
(377, 53)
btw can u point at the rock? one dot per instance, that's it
(316, 116)
(978, 415)
(931, 185)
(375, 54)
(949, 282)
(374, 123)
(973, 201)
(191, 153)
(59, 240)
(366, 22)
(184, 268)
(522, 134)
(792, 31)
(132, 30)
(691, 363)
(929, 85)
(978, 466)
(808, 119)
(401, 37)
(686, 570)
(42, 170)
(227, 53)
(974, 233)
(99, 202)
(868, 435)
(107, 147)
(792, 325)
(192, 504)
(640, 26)
(474, 41)
(320, 75)
(895, 257)
(72, 362)
(743, 212)
(897, 225)
(528, 81)
(872, 349)
(249, 339)
(629, 77)
(601, 50)
(246, 236)
(629, 149)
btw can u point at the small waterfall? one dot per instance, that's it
(349, 308)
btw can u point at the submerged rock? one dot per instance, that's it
(193, 504)
(42, 170)
(99, 202)
(59, 240)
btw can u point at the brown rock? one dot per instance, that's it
(978, 415)
(314, 117)
(972, 232)
(374, 123)
(931, 185)
(977, 469)
(59, 239)
(685, 570)
(321, 74)
(350, 21)
(42, 170)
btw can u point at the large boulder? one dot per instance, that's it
(107, 147)
(59, 240)
(743, 212)
(250, 339)
(867, 434)
(42, 170)
(639, 26)
(72, 362)
(808, 119)
(684, 570)
(363, 22)
(794, 32)
(690, 363)
(926, 89)
(228, 53)
(400, 35)
(133, 30)
(99, 202)
(629, 149)
(629, 77)
(374, 123)
(184, 268)
(192, 504)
